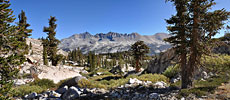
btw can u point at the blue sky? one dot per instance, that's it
(145, 17)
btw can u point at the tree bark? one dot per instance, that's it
(192, 64)
(137, 65)
(183, 62)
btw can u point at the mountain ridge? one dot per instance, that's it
(113, 42)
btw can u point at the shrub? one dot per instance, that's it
(102, 82)
(153, 78)
(84, 83)
(26, 89)
(109, 84)
(85, 75)
(98, 85)
(172, 71)
(216, 63)
(213, 81)
(119, 82)
(205, 87)
(195, 91)
(176, 84)
(44, 83)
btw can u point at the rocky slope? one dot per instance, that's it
(113, 42)
(37, 48)
(36, 67)
(169, 57)
(162, 61)
(222, 47)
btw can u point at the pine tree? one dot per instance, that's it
(52, 41)
(114, 62)
(106, 63)
(91, 61)
(44, 55)
(192, 29)
(30, 46)
(179, 33)
(69, 55)
(204, 25)
(79, 56)
(89, 58)
(74, 55)
(11, 54)
(139, 50)
(23, 32)
(32, 52)
(121, 62)
(100, 61)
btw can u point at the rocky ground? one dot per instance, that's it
(133, 90)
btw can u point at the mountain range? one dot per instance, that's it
(113, 42)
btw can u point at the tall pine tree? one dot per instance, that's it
(52, 41)
(23, 32)
(192, 29)
(12, 49)
(179, 32)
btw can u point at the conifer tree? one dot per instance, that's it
(89, 58)
(106, 63)
(44, 55)
(32, 52)
(114, 62)
(192, 29)
(74, 55)
(30, 45)
(52, 41)
(121, 61)
(91, 61)
(11, 53)
(79, 56)
(100, 61)
(139, 50)
(69, 55)
(179, 33)
(23, 32)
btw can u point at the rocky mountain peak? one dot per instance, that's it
(84, 35)
(113, 42)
